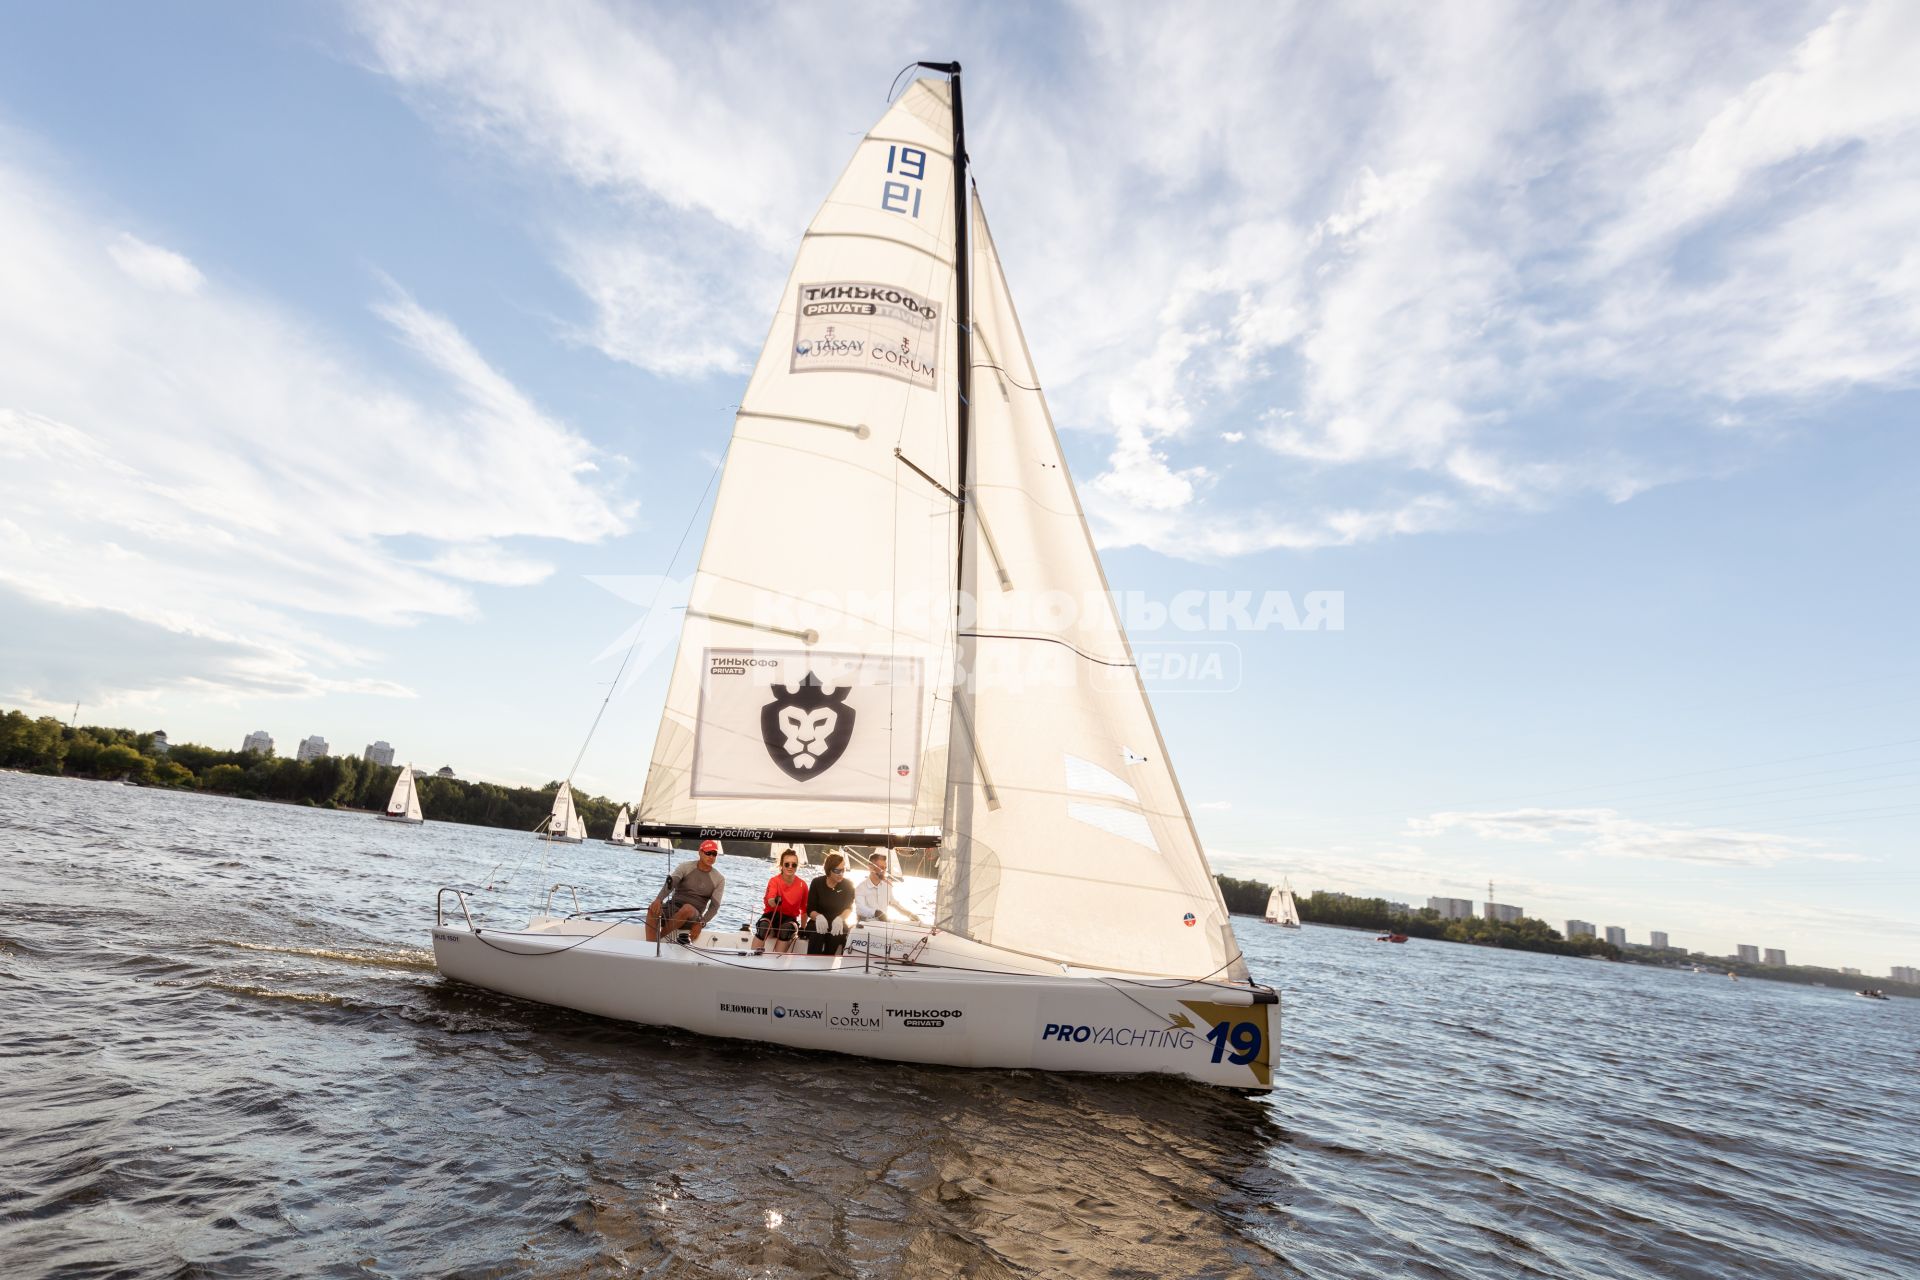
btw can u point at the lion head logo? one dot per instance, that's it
(807, 726)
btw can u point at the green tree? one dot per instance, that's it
(118, 760)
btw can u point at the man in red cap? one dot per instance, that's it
(690, 897)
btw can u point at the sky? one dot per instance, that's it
(1543, 377)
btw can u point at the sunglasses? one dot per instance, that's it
(789, 864)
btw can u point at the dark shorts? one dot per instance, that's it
(783, 927)
(825, 944)
(672, 907)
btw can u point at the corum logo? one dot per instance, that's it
(807, 727)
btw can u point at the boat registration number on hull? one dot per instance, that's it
(1226, 1043)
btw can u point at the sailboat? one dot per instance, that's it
(404, 804)
(565, 824)
(622, 833)
(1281, 909)
(868, 659)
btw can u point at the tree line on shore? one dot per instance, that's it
(45, 745)
(1249, 897)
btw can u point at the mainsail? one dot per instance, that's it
(565, 822)
(818, 634)
(405, 800)
(622, 832)
(1281, 908)
(873, 654)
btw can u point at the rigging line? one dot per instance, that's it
(1763, 799)
(1873, 813)
(1765, 782)
(550, 951)
(896, 79)
(1003, 372)
(651, 604)
(1002, 635)
(1691, 773)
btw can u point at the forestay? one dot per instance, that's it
(1071, 838)
(818, 636)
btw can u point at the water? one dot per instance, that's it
(226, 1052)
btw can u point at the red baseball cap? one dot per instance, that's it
(708, 846)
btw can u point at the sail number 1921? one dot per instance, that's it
(902, 194)
(1244, 1037)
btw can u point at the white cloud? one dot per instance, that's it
(1606, 833)
(154, 267)
(203, 463)
(488, 563)
(1425, 249)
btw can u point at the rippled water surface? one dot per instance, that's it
(226, 1052)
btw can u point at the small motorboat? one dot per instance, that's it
(1391, 937)
(1872, 993)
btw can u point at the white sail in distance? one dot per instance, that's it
(1070, 837)
(405, 800)
(565, 821)
(808, 693)
(1281, 909)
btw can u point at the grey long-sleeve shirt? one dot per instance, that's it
(704, 889)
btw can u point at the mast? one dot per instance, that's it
(963, 313)
(954, 909)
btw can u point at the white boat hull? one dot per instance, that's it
(564, 839)
(401, 817)
(878, 1005)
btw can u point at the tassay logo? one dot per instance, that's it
(804, 1015)
(828, 345)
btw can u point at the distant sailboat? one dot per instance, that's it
(404, 804)
(1281, 909)
(622, 828)
(565, 823)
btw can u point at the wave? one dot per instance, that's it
(327, 998)
(410, 958)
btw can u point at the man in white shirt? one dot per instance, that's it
(873, 900)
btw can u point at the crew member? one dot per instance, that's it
(874, 898)
(690, 897)
(829, 908)
(786, 906)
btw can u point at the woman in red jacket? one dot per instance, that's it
(785, 903)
